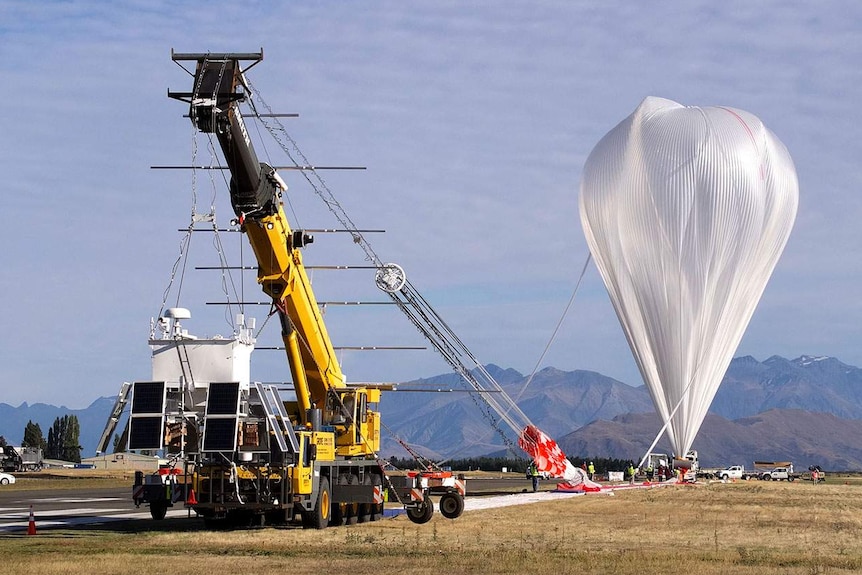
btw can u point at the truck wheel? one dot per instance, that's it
(320, 513)
(451, 505)
(365, 508)
(352, 517)
(364, 512)
(724, 477)
(338, 515)
(4, 481)
(340, 511)
(423, 513)
(376, 511)
(158, 510)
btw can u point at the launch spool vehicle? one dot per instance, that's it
(252, 453)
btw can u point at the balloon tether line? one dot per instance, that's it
(556, 329)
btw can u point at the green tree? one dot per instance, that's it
(71, 448)
(33, 436)
(64, 439)
(55, 438)
(51, 447)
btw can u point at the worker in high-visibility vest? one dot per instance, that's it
(533, 472)
(591, 471)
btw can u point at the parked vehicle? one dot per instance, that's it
(14, 458)
(239, 453)
(780, 474)
(688, 465)
(6, 478)
(734, 472)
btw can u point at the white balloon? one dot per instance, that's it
(686, 211)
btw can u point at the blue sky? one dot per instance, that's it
(474, 121)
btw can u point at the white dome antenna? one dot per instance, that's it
(178, 313)
(172, 317)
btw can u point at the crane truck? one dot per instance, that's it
(13, 458)
(250, 456)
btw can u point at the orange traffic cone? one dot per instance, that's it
(191, 499)
(31, 527)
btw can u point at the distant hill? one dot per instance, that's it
(776, 409)
(91, 419)
(808, 408)
(452, 424)
(809, 383)
(803, 437)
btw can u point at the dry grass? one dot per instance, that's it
(743, 528)
(71, 479)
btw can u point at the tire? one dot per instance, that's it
(340, 510)
(158, 510)
(365, 508)
(4, 481)
(423, 513)
(352, 517)
(725, 477)
(352, 509)
(376, 511)
(451, 505)
(338, 517)
(322, 507)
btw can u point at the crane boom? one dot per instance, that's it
(255, 192)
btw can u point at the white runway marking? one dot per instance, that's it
(477, 503)
(75, 500)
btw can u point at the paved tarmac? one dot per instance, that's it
(64, 508)
(112, 508)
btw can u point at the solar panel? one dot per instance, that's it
(146, 424)
(220, 434)
(222, 416)
(223, 398)
(145, 432)
(149, 397)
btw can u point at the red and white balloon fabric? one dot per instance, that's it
(548, 457)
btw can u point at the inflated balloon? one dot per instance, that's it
(686, 211)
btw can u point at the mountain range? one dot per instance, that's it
(807, 410)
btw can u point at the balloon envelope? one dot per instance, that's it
(686, 211)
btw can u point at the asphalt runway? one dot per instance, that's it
(68, 508)
(112, 508)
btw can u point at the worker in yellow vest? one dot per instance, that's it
(533, 472)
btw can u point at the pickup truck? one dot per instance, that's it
(779, 474)
(733, 472)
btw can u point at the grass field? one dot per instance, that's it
(740, 528)
(70, 479)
